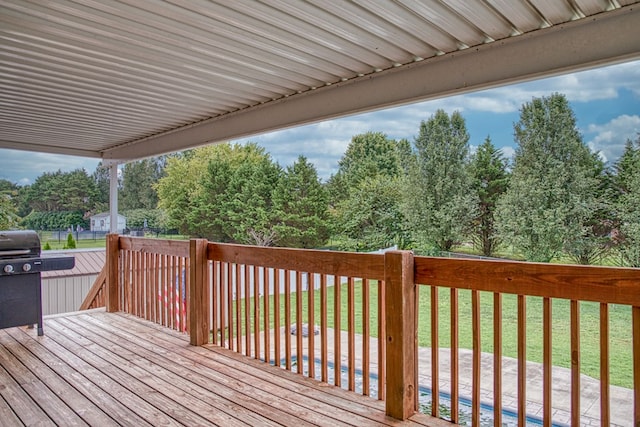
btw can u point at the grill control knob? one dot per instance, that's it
(26, 267)
(8, 268)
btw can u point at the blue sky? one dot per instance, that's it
(606, 102)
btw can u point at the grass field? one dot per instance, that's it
(621, 357)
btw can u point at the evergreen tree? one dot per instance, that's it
(628, 204)
(139, 181)
(101, 177)
(301, 207)
(440, 204)
(62, 191)
(490, 177)
(552, 191)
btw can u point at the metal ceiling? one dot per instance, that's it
(133, 78)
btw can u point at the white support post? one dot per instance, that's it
(113, 197)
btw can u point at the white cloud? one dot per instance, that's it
(23, 167)
(610, 138)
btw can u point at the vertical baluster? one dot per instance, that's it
(475, 327)
(604, 365)
(312, 324)
(351, 332)
(238, 306)
(546, 361)
(435, 355)
(455, 397)
(323, 328)
(215, 297)
(575, 363)
(522, 359)
(337, 341)
(382, 345)
(636, 364)
(299, 355)
(230, 315)
(366, 333)
(223, 302)
(276, 315)
(287, 317)
(497, 359)
(256, 312)
(266, 292)
(247, 309)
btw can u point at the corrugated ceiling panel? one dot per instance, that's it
(94, 74)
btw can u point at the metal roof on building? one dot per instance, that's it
(129, 79)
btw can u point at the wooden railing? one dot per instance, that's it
(365, 310)
(549, 282)
(287, 307)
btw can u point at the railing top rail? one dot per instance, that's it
(612, 285)
(155, 246)
(363, 265)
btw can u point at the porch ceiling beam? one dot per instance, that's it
(608, 38)
(14, 145)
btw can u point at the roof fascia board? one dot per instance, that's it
(607, 38)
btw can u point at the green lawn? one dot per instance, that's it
(621, 358)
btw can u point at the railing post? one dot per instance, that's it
(112, 302)
(401, 334)
(198, 293)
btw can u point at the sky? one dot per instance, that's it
(606, 103)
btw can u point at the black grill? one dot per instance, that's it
(20, 286)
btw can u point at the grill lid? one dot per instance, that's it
(19, 244)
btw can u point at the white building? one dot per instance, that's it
(102, 222)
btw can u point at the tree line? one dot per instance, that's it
(555, 198)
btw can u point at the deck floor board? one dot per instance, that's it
(100, 369)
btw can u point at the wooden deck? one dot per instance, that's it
(101, 369)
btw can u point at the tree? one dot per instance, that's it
(371, 217)
(368, 155)
(138, 184)
(8, 213)
(101, 177)
(552, 191)
(183, 184)
(626, 204)
(62, 191)
(222, 192)
(365, 193)
(301, 207)
(440, 204)
(490, 178)
(8, 210)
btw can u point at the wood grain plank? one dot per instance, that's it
(455, 394)
(34, 378)
(575, 363)
(265, 397)
(351, 334)
(317, 261)
(188, 402)
(477, 354)
(87, 380)
(334, 396)
(612, 285)
(58, 384)
(324, 359)
(27, 410)
(497, 359)
(635, 319)
(311, 321)
(366, 337)
(522, 359)
(382, 343)
(435, 353)
(605, 413)
(178, 248)
(337, 327)
(546, 361)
